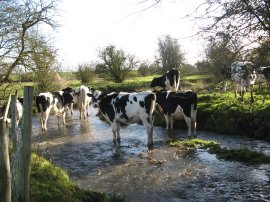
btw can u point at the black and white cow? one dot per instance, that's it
(128, 108)
(170, 80)
(263, 76)
(178, 106)
(83, 100)
(243, 75)
(72, 92)
(19, 112)
(55, 103)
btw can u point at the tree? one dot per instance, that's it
(42, 60)
(241, 18)
(170, 55)
(245, 19)
(260, 56)
(144, 69)
(18, 19)
(116, 63)
(86, 73)
(221, 52)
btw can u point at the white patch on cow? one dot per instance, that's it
(51, 110)
(243, 76)
(83, 100)
(133, 113)
(167, 84)
(178, 114)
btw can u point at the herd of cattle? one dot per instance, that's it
(127, 108)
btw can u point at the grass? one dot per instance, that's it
(51, 183)
(242, 155)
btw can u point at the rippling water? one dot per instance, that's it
(84, 148)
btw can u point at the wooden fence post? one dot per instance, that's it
(24, 186)
(5, 176)
(13, 116)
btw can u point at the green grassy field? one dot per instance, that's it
(217, 111)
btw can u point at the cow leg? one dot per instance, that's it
(80, 110)
(71, 108)
(64, 118)
(116, 130)
(167, 119)
(149, 128)
(41, 122)
(171, 122)
(193, 115)
(188, 122)
(45, 122)
(251, 94)
(235, 89)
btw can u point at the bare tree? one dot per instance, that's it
(247, 19)
(17, 19)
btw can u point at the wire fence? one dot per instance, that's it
(15, 151)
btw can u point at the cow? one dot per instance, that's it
(19, 112)
(83, 100)
(127, 108)
(170, 80)
(243, 75)
(52, 103)
(72, 92)
(264, 75)
(178, 106)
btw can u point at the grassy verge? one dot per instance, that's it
(242, 155)
(51, 183)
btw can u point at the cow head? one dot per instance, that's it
(154, 82)
(97, 95)
(251, 78)
(68, 98)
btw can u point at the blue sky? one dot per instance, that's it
(90, 25)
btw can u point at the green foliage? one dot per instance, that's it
(193, 143)
(48, 81)
(170, 54)
(242, 154)
(226, 114)
(116, 63)
(51, 183)
(144, 69)
(86, 73)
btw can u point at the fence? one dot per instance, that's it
(15, 152)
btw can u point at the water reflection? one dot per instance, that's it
(84, 148)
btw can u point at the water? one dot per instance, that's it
(85, 150)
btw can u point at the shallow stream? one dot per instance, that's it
(84, 148)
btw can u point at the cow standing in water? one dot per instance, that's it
(243, 75)
(72, 92)
(55, 103)
(170, 80)
(128, 108)
(83, 100)
(178, 106)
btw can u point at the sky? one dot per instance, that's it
(88, 26)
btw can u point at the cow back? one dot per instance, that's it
(42, 103)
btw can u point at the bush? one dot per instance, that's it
(48, 81)
(86, 73)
